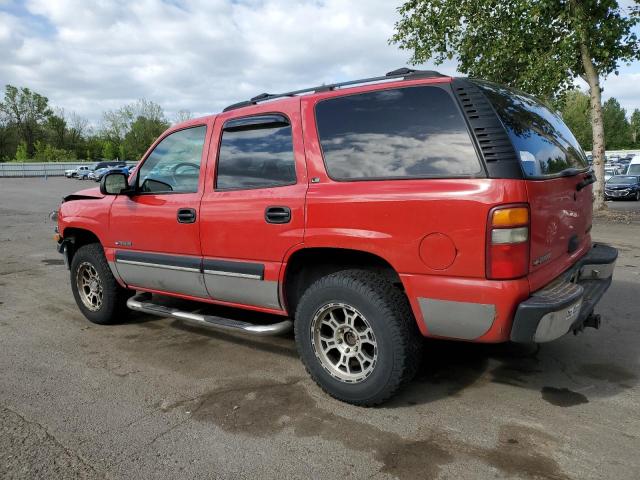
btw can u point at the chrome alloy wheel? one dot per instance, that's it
(89, 286)
(343, 341)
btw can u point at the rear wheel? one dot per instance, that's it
(98, 295)
(357, 336)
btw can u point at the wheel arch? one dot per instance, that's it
(305, 265)
(76, 237)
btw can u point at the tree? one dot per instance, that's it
(182, 116)
(575, 113)
(46, 152)
(539, 46)
(8, 138)
(117, 123)
(634, 127)
(28, 111)
(56, 127)
(21, 152)
(142, 133)
(616, 127)
(108, 150)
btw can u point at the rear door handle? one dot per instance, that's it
(277, 215)
(187, 215)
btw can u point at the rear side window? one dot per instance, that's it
(545, 145)
(412, 132)
(256, 154)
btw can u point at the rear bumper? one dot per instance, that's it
(566, 303)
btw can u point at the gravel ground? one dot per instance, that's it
(155, 398)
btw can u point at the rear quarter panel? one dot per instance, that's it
(390, 218)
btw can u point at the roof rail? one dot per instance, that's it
(404, 72)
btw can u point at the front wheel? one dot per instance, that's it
(357, 336)
(637, 197)
(98, 295)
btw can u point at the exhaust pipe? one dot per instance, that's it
(142, 303)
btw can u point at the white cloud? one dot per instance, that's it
(198, 55)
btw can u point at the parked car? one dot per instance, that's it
(98, 173)
(84, 174)
(73, 172)
(609, 172)
(634, 166)
(623, 187)
(366, 217)
(97, 176)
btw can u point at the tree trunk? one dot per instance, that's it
(597, 127)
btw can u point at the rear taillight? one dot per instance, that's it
(508, 242)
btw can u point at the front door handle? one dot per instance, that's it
(186, 215)
(277, 215)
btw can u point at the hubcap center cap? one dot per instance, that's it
(93, 285)
(350, 338)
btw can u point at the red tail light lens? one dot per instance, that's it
(508, 239)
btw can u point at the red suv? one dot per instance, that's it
(367, 214)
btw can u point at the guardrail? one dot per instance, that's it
(40, 169)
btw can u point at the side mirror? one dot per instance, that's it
(113, 183)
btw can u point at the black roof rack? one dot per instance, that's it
(406, 73)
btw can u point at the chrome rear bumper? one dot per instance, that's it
(567, 303)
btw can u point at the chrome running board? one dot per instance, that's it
(142, 303)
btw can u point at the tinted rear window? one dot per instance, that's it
(545, 145)
(413, 132)
(258, 157)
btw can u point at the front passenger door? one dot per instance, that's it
(156, 231)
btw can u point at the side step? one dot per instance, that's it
(142, 303)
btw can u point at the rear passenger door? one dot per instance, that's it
(252, 211)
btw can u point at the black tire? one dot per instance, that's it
(389, 316)
(113, 304)
(637, 197)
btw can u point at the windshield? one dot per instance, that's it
(545, 145)
(619, 179)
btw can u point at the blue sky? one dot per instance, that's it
(201, 55)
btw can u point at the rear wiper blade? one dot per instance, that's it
(570, 172)
(588, 180)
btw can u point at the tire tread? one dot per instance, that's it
(392, 304)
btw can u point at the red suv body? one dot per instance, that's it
(470, 200)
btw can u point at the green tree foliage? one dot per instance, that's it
(539, 46)
(575, 113)
(142, 134)
(27, 110)
(117, 127)
(616, 127)
(108, 150)
(634, 128)
(21, 152)
(30, 129)
(45, 152)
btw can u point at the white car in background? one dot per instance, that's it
(634, 166)
(73, 172)
(610, 172)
